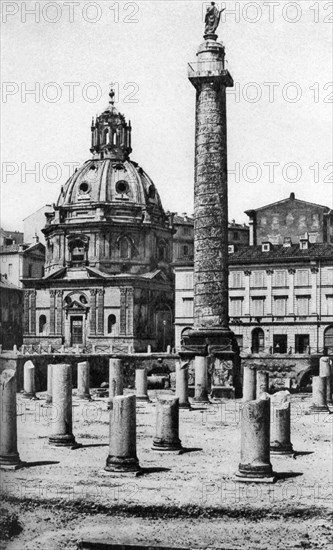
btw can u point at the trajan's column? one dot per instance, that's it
(211, 335)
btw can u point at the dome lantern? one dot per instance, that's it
(110, 134)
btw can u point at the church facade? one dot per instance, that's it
(108, 277)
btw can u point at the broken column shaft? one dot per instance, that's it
(249, 384)
(122, 444)
(255, 465)
(115, 378)
(280, 428)
(182, 385)
(83, 380)
(262, 383)
(167, 425)
(319, 403)
(9, 456)
(62, 434)
(29, 390)
(141, 385)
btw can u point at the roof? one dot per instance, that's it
(4, 283)
(252, 254)
(291, 198)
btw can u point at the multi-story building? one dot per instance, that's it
(108, 277)
(280, 295)
(19, 260)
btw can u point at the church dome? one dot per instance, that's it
(110, 177)
(110, 181)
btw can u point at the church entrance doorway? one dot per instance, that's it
(76, 330)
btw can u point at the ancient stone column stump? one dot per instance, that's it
(9, 456)
(255, 465)
(167, 425)
(122, 444)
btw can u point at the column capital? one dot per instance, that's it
(269, 271)
(247, 273)
(291, 271)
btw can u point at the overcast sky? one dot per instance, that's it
(279, 135)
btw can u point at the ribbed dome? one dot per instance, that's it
(109, 181)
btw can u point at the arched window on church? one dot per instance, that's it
(111, 322)
(125, 248)
(42, 324)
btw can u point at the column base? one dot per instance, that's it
(252, 479)
(162, 445)
(63, 441)
(279, 449)
(122, 465)
(11, 462)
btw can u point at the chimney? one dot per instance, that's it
(292, 196)
(287, 242)
(304, 242)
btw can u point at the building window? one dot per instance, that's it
(77, 252)
(302, 343)
(185, 250)
(236, 307)
(328, 340)
(258, 307)
(111, 322)
(258, 340)
(186, 230)
(329, 302)
(188, 307)
(42, 324)
(302, 277)
(258, 279)
(280, 278)
(236, 279)
(235, 235)
(302, 305)
(30, 271)
(280, 306)
(280, 343)
(124, 248)
(10, 269)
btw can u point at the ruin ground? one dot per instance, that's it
(64, 496)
